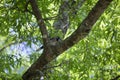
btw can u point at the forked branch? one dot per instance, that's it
(82, 31)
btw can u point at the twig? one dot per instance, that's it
(8, 45)
(49, 67)
(26, 7)
(40, 48)
(116, 78)
(50, 18)
(25, 10)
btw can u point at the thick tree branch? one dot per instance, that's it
(40, 21)
(83, 29)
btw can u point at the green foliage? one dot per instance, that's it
(93, 58)
(4, 76)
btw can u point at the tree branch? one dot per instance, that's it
(26, 7)
(83, 29)
(40, 21)
(6, 46)
(116, 78)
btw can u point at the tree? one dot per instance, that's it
(34, 20)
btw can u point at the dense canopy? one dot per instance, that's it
(59, 39)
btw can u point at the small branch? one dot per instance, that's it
(40, 48)
(49, 67)
(8, 45)
(40, 21)
(116, 78)
(26, 10)
(26, 7)
(50, 18)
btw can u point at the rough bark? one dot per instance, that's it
(52, 51)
